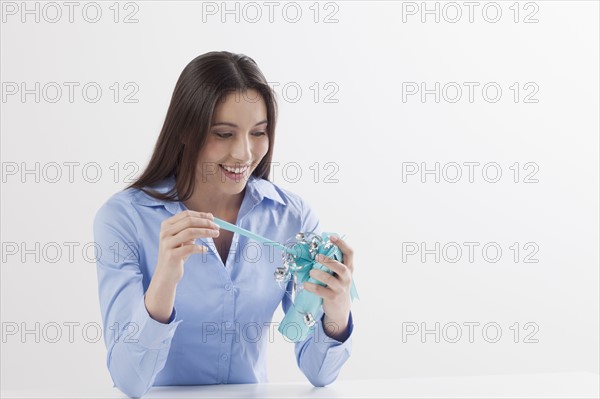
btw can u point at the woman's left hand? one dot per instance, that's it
(336, 295)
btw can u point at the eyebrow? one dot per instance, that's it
(234, 125)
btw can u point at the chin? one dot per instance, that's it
(233, 187)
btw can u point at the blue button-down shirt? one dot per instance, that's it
(221, 322)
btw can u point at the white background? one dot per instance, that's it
(369, 133)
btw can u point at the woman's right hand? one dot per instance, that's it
(178, 236)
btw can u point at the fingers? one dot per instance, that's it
(341, 269)
(192, 221)
(190, 242)
(190, 234)
(323, 292)
(326, 278)
(185, 227)
(185, 214)
(347, 251)
(185, 251)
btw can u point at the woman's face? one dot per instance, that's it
(237, 140)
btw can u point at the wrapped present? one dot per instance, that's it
(298, 260)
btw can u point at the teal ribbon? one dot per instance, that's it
(296, 325)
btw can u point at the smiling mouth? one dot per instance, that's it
(235, 173)
(235, 169)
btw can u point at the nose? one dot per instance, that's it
(242, 149)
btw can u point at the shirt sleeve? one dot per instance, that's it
(137, 345)
(319, 357)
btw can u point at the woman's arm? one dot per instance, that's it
(160, 299)
(137, 345)
(322, 354)
(139, 326)
(321, 357)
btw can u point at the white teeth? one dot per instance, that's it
(234, 170)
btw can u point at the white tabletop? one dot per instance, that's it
(550, 385)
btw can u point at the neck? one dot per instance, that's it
(223, 206)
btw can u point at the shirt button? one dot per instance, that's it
(228, 286)
(224, 356)
(228, 324)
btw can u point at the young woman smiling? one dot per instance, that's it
(211, 325)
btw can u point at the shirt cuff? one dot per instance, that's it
(327, 344)
(148, 332)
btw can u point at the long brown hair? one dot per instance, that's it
(206, 80)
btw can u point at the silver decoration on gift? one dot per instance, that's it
(282, 275)
(315, 242)
(309, 319)
(309, 241)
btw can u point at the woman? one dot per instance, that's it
(212, 158)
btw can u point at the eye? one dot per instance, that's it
(223, 135)
(259, 133)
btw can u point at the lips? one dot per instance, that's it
(237, 177)
(237, 169)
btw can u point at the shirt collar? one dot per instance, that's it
(256, 190)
